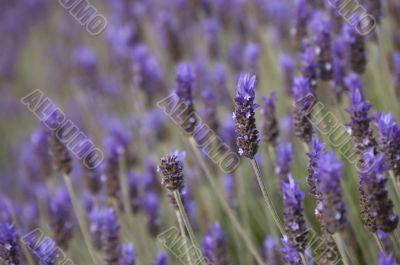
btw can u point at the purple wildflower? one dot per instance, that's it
(110, 238)
(95, 219)
(376, 206)
(252, 53)
(284, 157)
(287, 66)
(171, 167)
(330, 208)
(304, 102)
(271, 251)
(210, 109)
(291, 255)
(185, 79)
(322, 40)
(302, 15)
(389, 140)
(133, 181)
(270, 128)
(293, 215)
(113, 151)
(9, 249)
(383, 259)
(396, 70)
(317, 150)
(40, 147)
(247, 136)
(151, 208)
(229, 188)
(214, 245)
(46, 252)
(309, 67)
(161, 259)
(339, 67)
(356, 47)
(127, 255)
(60, 218)
(212, 29)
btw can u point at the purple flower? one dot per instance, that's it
(252, 53)
(322, 40)
(113, 151)
(110, 238)
(293, 215)
(95, 219)
(339, 66)
(9, 249)
(317, 150)
(214, 245)
(247, 136)
(133, 181)
(309, 67)
(210, 109)
(389, 140)
(229, 188)
(46, 253)
(287, 66)
(161, 259)
(356, 47)
(331, 208)
(127, 255)
(302, 15)
(376, 206)
(61, 218)
(151, 208)
(384, 259)
(284, 157)
(171, 167)
(39, 141)
(270, 127)
(304, 102)
(212, 29)
(271, 251)
(396, 69)
(291, 255)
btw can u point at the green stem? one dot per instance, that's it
(303, 258)
(187, 223)
(379, 243)
(224, 203)
(342, 248)
(183, 233)
(266, 196)
(79, 216)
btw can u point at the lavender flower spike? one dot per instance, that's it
(247, 136)
(128, 255)
(110, 238)
(304, 102)
(317, 149)
(386, 260)
(161, 259)
(330, 208)
(284, 157)
(9, 249)
(389, 140)
(356, 46)
(293, 215)
(214, 245)
(185, 79)
(376, 206)
(291, 255)
(269, 123)
(171, 167)
(309, 67)
(271, 254)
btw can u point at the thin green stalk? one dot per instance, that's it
(266, 196)
(303, 258)
(379, 243)
(342, 248)
(253, 250)
(183, 233)
(123, 180)
(187, 223)
(395, 184)
(79, 216)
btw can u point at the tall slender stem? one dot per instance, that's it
(342, 248)
(123, 180)
(379, 243)
(183, 233)
(79, 216)
(267, 198)
(187, 223)
(253, 250)
(303, 258)
(395, 185)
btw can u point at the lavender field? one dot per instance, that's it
(199, 132)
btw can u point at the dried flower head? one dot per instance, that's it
(171, 167)
(9, 249)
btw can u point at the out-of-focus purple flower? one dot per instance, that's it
(304, 102)
(185, 79)
(235, 59)
(41, 150)
(291, 255)
(150, 180)
(110, 238)
(384, 259)
(287, 66)
(309, 67)
(389, 140)
(168, 32)
(214, 245)
(127, 255)
(302, 15)
(151, 207)
(210, 109)
(286, 127)
(339, 66)
(212, 29)
(247, 136)
(331, 208)
(396, 70)
(271, 251)
(219, 83)
(46, 252)
(229, 188)
(336, 18)
(376, 206)
(252, 53)
(317, 149)
(374, 8)
(60, 218)
(322, 41)
(293, 215)
(269, 125)
(161, 259)
(356, 47)
(95, 219)
(9, 248)
(133, 181)
(284, 157)
(112, 184)
(359, 125)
